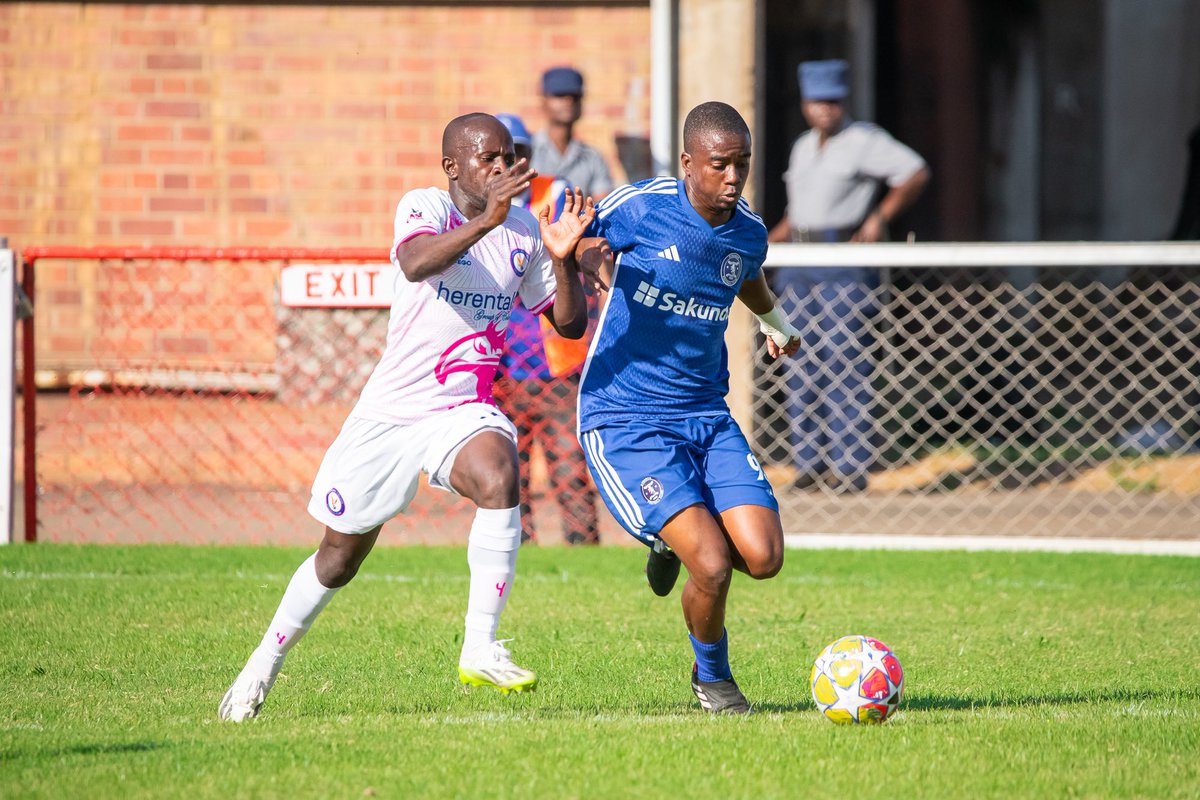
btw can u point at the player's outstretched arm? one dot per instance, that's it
(568, 314)
(432, 254)
(782, 336)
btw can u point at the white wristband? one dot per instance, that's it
(775, 325)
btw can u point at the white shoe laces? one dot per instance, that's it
(500, 653)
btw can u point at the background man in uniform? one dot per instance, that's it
(846, 181)
(556, 151)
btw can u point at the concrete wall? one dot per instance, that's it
(1151, 105)
(717, 58)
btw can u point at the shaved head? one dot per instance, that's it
(477, 149)
(709, 118)
(465, 130)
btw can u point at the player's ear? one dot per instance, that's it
(685, 161)
(450, 167)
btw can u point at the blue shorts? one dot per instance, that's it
(649, 471)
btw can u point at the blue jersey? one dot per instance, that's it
(659, 350)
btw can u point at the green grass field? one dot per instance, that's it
(1028, 675)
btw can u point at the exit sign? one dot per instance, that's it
(337, 285)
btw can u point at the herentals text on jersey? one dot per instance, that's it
(477, 300)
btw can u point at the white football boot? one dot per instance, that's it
(492, 665)
(245, 697)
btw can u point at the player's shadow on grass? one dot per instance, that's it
(91, 749)
(934, 702)
(781, 708)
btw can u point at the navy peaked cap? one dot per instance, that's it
(824, 80)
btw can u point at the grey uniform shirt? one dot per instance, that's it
(582, 165)
(834, 186)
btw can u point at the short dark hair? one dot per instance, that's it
(709, 117)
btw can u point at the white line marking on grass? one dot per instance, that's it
(877, 541)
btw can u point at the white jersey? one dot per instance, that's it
(446, 333)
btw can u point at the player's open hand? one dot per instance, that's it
(789, 348)
(502, 187)
(561, 236)
(596, 262)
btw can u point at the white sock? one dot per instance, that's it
(492, 557)
(302, 602)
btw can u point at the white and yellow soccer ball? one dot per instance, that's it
(857, 679)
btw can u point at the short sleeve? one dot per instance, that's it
(538, 285)
(419, 212)
(755, 246)
(616, 219)
(890, 160)
(757, 267)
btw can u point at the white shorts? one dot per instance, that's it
(371, 471)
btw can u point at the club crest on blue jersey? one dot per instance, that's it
(652, 490)
(335, 503)
(518, 258)
(731, 269)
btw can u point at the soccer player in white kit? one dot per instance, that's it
(464, 255)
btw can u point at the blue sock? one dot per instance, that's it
(712, 660)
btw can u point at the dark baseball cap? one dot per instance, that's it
(562, 80)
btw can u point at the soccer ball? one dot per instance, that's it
(857, 679)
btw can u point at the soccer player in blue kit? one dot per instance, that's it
(666, 455)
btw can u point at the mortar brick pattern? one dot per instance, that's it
(267, 125)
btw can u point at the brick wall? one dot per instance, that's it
(266, 126)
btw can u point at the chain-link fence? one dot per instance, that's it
(189, 396)
(1039, 401)
(182, 401)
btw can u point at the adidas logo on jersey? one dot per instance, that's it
(649, 295)
(670, 254)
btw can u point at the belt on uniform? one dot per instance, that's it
(816, 235)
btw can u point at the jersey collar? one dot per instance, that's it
(694, 215)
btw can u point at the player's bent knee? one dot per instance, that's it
(341, 554)
(763, 568)
(496, 488)
(486, 472)
(711, 575)
(763, 557)
(336, 570)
